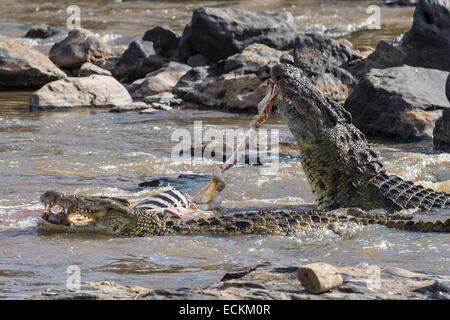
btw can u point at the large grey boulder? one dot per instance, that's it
(324, 61)
(441, 133)
(230, 91)
(23, 67)
(162, 80)
(139, 59)
(78, 47)
(400, 103)
(426, 44)
(93, 91)
(218, 33)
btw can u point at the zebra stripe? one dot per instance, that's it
(167, 199)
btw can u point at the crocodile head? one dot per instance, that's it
(335, 155)
(310, 115)
(86, 213)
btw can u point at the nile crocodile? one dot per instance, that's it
(341, 167)
(116, 216)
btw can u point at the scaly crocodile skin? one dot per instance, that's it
(117, 217)
(341, 167)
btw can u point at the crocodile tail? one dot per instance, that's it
(399, 194)
(418, 226)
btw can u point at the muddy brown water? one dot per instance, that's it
(96, 152)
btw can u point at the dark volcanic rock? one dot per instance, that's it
(23, 67)
(399, 103)
(441, 133)
(324, 60)
(218, 33)
(42, 31)
(139, 59)
(426, 45)
(198, 60)
(78, 47)
(165, 41)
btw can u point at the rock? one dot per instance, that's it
(164, 98)
(134, 106)
(441, 133)
(162, 80)
(323, 60)
(229, 92)
(218, 33)
(42, 31)
(165, 41)
(139, 59)
(93, 91)
(23, 67)
(198, 60)
(319, 277)
(148, 110)
(256, 58)
(426, 44)
(400, 103)
(182, 181)
(78, 47)
(88, 69)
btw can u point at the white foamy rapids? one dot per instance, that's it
(19, 217)
(430, 170)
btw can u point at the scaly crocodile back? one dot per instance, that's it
(275, 222)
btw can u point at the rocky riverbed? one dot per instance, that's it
(92, 110)
(264, 282)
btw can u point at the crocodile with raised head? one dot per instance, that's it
(116, 216)
(341, 167)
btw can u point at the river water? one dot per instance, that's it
(98, 153)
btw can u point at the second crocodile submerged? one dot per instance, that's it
(341, 167)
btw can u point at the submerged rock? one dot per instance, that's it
(139, 59)
(93, 91)
(323, 60)
(441, 133)
(400, 103)
(132, 107)
(218, 33)
(24, 67)
(42, 31)
(426, 44)
(88, 69)
(162, 80)
(78, 47)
